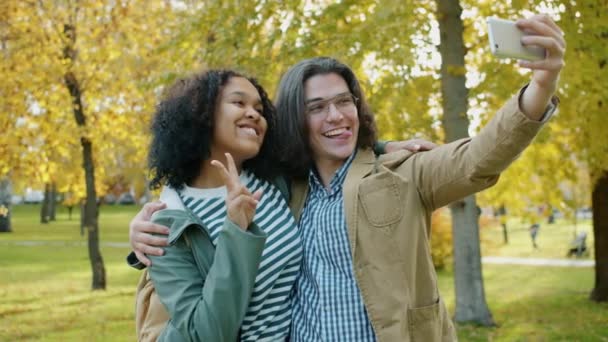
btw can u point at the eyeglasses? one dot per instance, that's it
(345, 103)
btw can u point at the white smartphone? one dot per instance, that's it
(505, 41)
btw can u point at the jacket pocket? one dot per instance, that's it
(382, 199)
(425, 323)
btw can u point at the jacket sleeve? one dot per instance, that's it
(208, 302)
(463, 167)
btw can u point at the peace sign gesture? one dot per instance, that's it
(240, 202)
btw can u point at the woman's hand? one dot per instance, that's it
(140, 230)
(544, 33)
(412, 145)
(240, 202)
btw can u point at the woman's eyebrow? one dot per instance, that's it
(245, 95)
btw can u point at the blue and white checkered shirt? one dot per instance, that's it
(327, 303)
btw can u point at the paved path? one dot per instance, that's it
(34, 243)
(485, 260)
(537, 261)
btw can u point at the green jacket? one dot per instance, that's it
(206, 290)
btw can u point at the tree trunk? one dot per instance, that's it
(471, 304)
(82, 216)
(90, 205)
(599, 202)
(44, 208)
(52, 202)
(505, 234)
(5, 205)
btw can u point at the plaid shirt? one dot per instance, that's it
(327, 303)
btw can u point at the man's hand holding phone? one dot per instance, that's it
(536, 32)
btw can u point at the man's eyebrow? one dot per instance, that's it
(316, 99)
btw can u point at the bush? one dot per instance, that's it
(441, 238)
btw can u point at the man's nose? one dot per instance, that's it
(333, 113)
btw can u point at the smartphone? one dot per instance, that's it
(505, 41)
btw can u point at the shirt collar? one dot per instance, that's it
(337, 180)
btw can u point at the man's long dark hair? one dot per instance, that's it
(295, 152)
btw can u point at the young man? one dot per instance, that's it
(364, 221)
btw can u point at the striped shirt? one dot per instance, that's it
(269, 314)
(327, 303)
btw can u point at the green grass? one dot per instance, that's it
(46, 290)
(536, 304)
(553, 240)
(46, 294)
(114, 220)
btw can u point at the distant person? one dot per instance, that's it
(534, 228)
(502, 217)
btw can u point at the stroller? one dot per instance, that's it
(578, 246)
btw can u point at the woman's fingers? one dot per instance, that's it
(241, 210)
(234, 173)
(257, 195)
(225, 174)
(241, 204)
(228, 172)
(244, 201)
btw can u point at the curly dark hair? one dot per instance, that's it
(295, 153)
(182, 130)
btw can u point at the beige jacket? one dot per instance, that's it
(388, 203)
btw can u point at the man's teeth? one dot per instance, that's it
(335, 132)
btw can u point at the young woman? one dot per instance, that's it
(234, 250)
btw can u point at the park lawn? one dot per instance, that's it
(553, 240)
(114, 221)
(46, 294)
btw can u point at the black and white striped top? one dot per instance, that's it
(269, 314)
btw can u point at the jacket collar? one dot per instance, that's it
(177, 214)
(364, 164)
(171, 198)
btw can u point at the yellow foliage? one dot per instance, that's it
(441, 238)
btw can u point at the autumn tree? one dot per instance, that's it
(552, 171)
(88, 66)
(470, 296)
(583, 113)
